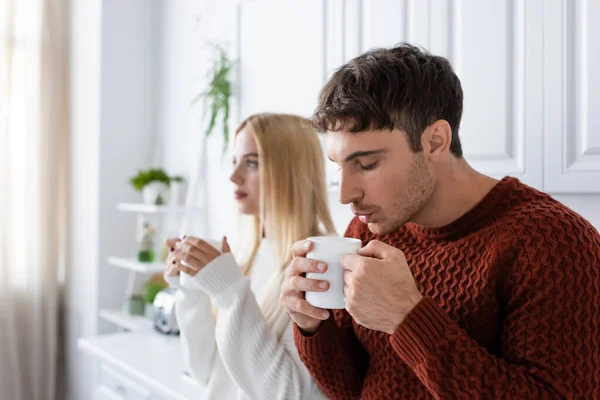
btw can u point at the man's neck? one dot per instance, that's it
(457, 191)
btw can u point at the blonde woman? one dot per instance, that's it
(245, 348)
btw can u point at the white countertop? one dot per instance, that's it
(152, 359)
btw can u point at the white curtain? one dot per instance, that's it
(33, 194)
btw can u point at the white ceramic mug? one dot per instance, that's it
(187, 281)
(330, 249)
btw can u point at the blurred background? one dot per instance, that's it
(107, 148)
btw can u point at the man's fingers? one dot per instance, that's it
(351, 262)
(301, 265)
(301, 284)
(375, 249)
(300, 248)
(301, 306)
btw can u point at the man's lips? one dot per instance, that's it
(365, 218)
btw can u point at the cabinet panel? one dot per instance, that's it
(495, 48)
(572, 96)
(282, 54)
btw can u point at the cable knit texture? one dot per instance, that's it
(511, 310)
(235, 355)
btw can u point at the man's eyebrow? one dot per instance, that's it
(363, 153)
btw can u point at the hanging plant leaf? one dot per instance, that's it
(216, 97)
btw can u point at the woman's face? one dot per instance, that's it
(245, 174)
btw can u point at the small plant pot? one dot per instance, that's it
(136, 305)
(156, 193)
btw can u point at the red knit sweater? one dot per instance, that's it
(511, 310)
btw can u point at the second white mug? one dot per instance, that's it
(187, 281)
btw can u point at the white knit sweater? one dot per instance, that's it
(235, 356)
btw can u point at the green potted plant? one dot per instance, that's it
(217, 95)
(154, 184)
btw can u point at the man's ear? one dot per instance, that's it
(436, 139)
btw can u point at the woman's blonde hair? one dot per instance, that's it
(293, 198)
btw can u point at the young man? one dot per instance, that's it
(467, 287)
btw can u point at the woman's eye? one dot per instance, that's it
(252, 163)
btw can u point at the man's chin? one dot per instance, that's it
(382, 228)
(378, 228)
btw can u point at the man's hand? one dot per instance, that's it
(307, 317)
(379, 287)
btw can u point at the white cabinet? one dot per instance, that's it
(115, 382)
(530, 72)
(571, 96)
(139, 366)
(495, 48)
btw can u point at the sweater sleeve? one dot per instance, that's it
(262, 365)
(197, 332)
(335, 343)
(550, 334)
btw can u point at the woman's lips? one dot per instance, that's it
(240, 195)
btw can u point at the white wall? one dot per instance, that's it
(282, 70)
(113, 119)
(185, 27)
(127, 131)
(84, 216)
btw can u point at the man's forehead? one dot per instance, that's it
(347, 138)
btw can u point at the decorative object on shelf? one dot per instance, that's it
(155, 185)
(146, 235)
(136, 305)
(218, 94)
(178, 187)
(165, 320)
(156, 193)
(155, 284)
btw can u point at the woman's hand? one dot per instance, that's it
(172, 269)
(192, 254)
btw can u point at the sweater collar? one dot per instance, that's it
(487, 209)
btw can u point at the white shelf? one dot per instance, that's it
(134, 265)
(153, 209)
(133, 323)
